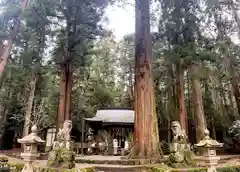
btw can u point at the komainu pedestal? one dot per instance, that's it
(180, 153)
(62, 154)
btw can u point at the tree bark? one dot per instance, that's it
(235, 15)
(69, 76)
(4, 107)
(64, 108)
(146, 137)
(28, 112)
(8, 48)
(200, 122)
(181, 103)
(131, 91)
(63, 96)
(1, 48)
(213, 134)
(236, 91)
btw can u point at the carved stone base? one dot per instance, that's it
(181, 159)
(28, 167)
(61, 157)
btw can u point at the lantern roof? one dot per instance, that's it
(31, 138)
(208, 142)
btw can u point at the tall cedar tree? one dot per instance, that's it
(146, 137)
(10, 38)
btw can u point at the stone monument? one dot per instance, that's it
(209, 146)
(30, 143)
(180, 153)
(62, 154)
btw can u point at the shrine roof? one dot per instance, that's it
(113, 116)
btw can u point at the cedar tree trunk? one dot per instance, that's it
(64, 108)
(236, 91)
(68, 91)
(13, 33)
(62, 98)
(181, 103)
(200, 122)
(146, 137)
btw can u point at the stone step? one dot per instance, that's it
(120, 169)
(120, 162)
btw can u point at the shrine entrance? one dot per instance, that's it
(121, 133)
(111, 129)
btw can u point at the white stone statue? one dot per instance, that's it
(126, 145)
(63, 136)
(63, 148)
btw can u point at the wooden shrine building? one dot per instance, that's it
(110, 124)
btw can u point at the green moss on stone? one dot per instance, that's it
(63, 158)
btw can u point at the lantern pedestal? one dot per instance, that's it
(30, 143)
(208, 147)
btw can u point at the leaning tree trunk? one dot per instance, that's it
(12, 35)
(28, 112)
(146, 137)
(200, 122)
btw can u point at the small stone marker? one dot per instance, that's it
(30, 143)
(115, 147)
(209, 150)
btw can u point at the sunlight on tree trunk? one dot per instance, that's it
(146, 137)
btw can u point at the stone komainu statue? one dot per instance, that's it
(180, 153)
(234, 130)
(62, 154)
(63, 138)
(232, 143)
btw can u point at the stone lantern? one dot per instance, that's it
(30, 143)
(208, 147)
